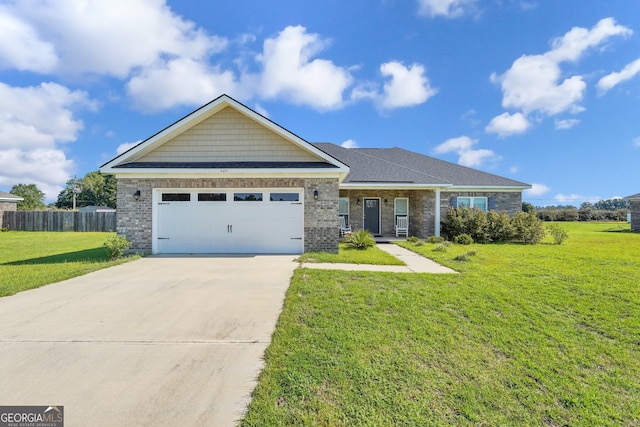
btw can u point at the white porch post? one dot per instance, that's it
(437, 215)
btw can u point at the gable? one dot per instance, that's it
(228, 136)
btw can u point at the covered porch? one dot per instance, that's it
(382, 212)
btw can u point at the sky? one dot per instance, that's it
(541, 91)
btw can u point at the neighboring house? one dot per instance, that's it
(8, 202)
(96, 209)
(225, 179)
(635, 211)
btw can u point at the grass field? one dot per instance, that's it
(525, 335)
(350, 255)
(30, 259)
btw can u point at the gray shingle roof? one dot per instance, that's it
(633, 197)
(396, 165)
(9, 197)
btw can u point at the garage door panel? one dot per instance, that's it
(202, 225)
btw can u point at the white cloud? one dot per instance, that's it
(407, 86)
(181, 81)
(446, 8)
(537, 190)
(514, 169)
(536, 83)
(261, 110)
(110, 36)
(33, 122)
(349, 143)
(20, 47)
(290, 73)
(467, 156)
(508, 124)
(611, 80)
(636, 142)
(566, 124)
(126, 146)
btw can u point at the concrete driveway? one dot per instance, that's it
(162, 341)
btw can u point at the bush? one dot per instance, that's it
(559, 234)
(463, 239)
(116, 245)
(465, 256)
(527, 227)
(442, 246)
(413, 239)
(435, 239)
(499, 227)
(361, 239)
(4, 229)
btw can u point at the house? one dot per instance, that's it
(225, 179)
(635, 211)
(8, 203)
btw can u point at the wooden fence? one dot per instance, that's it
(59, 221)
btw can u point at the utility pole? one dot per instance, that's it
(77, 188)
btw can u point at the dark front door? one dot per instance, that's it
(372, 215)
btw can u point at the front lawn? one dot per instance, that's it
(525, 335)
(349, 255)
(30, 259)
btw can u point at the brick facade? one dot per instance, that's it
(7, 207)
(422, 207)
(320, 216)
(635, 215)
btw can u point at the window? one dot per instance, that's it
(343, 209)
(473, 202)
(284, 197)
(212, 197)
(247, 197)
(401, 208)
(176, 197)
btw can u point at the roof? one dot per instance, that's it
(128, 162)
(633, 197)
(8, 197)
(399, 166)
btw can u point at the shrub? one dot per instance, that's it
(413, 239)
(4, 229)
(442, 246)
(471, 221)
(465, 256)
(498, 227)
(116, 245)
(435, 239)
(527, 227)
(559, 234)
(361, 239)
(463, 239)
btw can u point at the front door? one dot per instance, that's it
(372, 215)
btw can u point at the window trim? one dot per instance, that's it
(472, 202)
(345, 215)
(395, 210)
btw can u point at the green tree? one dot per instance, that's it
(33, 197)
(528, 207)
(95, 189)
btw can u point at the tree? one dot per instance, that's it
(95, 190)
(528, 207)
(33, 197)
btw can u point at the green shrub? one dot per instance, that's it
(471, 221)
(527, 227)
(361, 239)
(465, 256)
(4, 229)
(442, 246)
(116, 245)
(498, 227)
(559, 234)
(463, 239)
(413, 239)
(435, 239)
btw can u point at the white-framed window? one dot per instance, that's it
(400, 208)
(343, 209)
(473, 202)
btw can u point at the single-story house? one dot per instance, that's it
(8, 203)
(225, 179)
(635, 211)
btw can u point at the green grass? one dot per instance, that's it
(32, 259)
(525, 335)
(349, 255)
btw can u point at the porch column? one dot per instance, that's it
(437, 215)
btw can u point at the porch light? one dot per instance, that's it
(358, 201)
(136, 195)
(386, 202)
(315, 194)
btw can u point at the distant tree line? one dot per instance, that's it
(603, 210)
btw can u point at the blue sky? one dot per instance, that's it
(544, 92)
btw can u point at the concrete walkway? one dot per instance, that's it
(161, 341)
(414, 263)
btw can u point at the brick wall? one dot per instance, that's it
(510, 202)
(6, 207)
(635, 215)
(320, 216)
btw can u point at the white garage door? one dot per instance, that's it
(229, 221)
